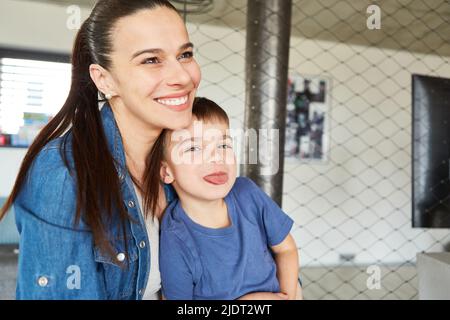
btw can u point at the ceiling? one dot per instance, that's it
(412, 25)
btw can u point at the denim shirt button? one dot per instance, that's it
(121, 257)
(121, 176)
(142, 244)
(131, 204)
(141, 292)
(42, 281)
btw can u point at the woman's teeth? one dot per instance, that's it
(173, 102)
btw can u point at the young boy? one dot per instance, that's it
(223, 238)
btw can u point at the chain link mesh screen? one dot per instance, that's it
(352, 213)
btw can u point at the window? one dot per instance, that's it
(33, 87)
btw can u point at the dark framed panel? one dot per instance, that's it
(431, 152)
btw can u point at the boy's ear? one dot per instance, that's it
(166, 174)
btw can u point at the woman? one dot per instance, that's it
(80, 188)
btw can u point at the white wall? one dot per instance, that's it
(10, 160)
(365, 219)
(378, 196)
(29, 24)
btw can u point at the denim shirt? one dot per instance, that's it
(58, 260)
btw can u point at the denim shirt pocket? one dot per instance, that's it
(120, 272)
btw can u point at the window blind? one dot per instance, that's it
(31, 92)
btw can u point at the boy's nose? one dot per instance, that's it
(216, 156)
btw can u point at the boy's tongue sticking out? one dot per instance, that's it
(216, 178)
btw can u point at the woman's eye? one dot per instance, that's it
(187, 55)
(152, 60)
(226, 146)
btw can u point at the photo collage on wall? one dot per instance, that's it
(307, 118)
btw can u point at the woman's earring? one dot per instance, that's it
(108, 96)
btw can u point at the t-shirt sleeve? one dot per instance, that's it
(276, 222)
(175, 268)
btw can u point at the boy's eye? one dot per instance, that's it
(152, 60)
(226, 146)
(192, 149)
(187, 55)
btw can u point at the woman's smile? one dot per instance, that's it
(176, 102)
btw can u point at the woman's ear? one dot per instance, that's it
(166, 174)
(103, 80)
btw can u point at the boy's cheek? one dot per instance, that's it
(231, 159)
(185, 172)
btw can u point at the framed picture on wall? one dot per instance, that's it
(307, 118)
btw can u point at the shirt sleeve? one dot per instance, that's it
(56, 261)
(277, 224)
(175, 268)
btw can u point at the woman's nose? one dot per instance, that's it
(177, 75)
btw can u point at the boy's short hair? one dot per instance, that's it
(204, 110)
(207, 110)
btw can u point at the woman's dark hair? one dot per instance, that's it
(98, 186)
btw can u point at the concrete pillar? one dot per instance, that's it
(267, 54)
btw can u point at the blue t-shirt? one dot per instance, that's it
(203, 263)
